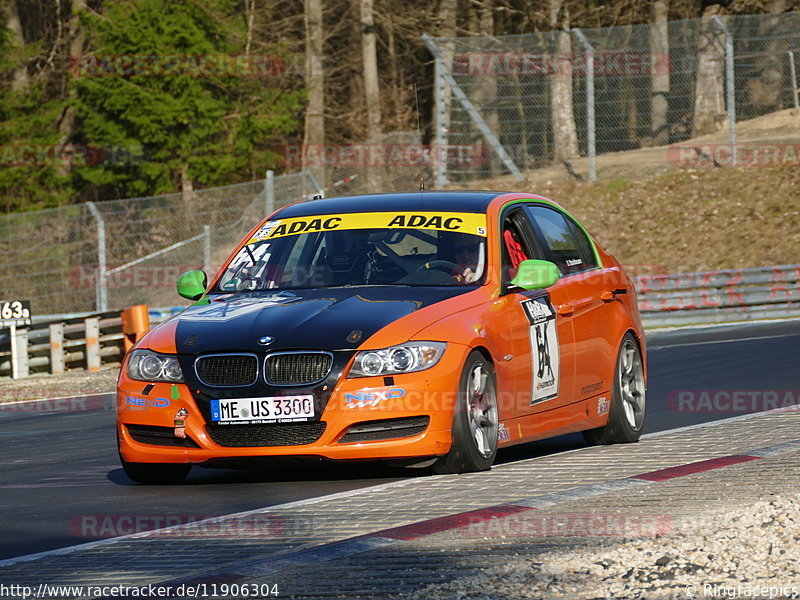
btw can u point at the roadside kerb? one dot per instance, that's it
(352, 523)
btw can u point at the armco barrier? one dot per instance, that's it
(719, 296)
(88, 341)
(67, 342)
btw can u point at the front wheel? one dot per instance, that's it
(155, 473)
(626, 413)
(475, 420)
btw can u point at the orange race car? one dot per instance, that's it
(419, 328)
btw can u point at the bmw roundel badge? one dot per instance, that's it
(266, 340)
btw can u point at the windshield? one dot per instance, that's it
(345, 251)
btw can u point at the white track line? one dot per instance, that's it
(338, 495)
(655, 347)
(72, 397)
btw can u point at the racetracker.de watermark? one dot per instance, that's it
(606, 64)
(135, 276)
(69, 155)
(177, 65)
(33, 401)
(722, 155)
(386, 155)
(531, 524)
(176, 526)
(731, 401)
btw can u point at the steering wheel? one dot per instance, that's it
(440, 265)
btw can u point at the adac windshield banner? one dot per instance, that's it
(472, 223)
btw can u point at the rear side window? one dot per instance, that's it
(559, 241)
(585, 246)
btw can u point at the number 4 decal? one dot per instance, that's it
(544, 348)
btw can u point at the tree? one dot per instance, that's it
(314, 135)
(166, 84)
(485, 95)
(565, 137)
(659, 49)
(709, 97)
(372, 93)
(29, 154)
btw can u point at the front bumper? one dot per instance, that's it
(369, 418)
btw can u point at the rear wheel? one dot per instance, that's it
(155, 473)
(626, 413)
(475, 420)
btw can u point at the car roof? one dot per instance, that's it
(449, 201)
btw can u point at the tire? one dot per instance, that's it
(155, 473)
(627, 410)
(475, 420)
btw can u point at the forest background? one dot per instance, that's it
(91, 109)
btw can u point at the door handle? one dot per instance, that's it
(565, 310)
(608, 295)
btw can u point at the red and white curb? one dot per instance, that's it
(388, 537)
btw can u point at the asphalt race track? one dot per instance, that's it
(60, 471)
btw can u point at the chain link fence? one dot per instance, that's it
(109, 255)
(515, 103)
(503, 105)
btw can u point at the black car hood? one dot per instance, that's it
(330, 319)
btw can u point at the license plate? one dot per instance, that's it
(275, 409)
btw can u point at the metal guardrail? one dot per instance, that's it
(88, 341)
(57, 345)
(719, 296)
(79, 341)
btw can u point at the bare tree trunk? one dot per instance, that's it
(486, 94)
(186, 182)
(67, 124)
(21, 79)
(447, 28)
(314, 133)
(709, 97)
(250, 15)
(372, 92)
(769, 86)
(395, 94)
(565, 137)
(659, 49)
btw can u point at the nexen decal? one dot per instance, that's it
(434, 222)
(136, 403)
(373, 398)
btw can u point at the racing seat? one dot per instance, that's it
(516, 253)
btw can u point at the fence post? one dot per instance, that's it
(269, 193)
(730, 98)
(590, 116)
(102, 283)
(56, 348)
(476, 117)
(315, 182)
(207, 249)
(92, 325)
(19, 352)
(439, 150)
(793, 71)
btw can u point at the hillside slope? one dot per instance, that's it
(660, 217)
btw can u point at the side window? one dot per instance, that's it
(517, 243)
(586, 248)
(560, 245)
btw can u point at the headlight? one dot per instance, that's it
(146, 365)
(406, 358)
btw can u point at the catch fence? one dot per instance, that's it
(564, 97)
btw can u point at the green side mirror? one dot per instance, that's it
(192, 284)
(535, 274)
